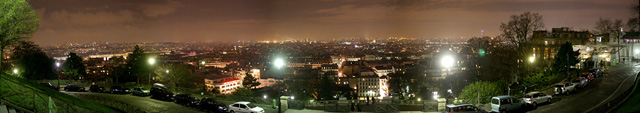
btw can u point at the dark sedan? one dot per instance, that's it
(186, 99)
(212, 105)
(97, 89)
(71, 87)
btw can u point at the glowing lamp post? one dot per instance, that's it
(152, 61)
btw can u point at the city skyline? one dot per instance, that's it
(192, 21)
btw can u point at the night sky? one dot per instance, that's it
(81, 21)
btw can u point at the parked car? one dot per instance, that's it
(588, 76)
(71, 87)
(96, 88)
(140, 91)
(245, 107)
(506, 103)
(565, 88)
(581, 81)
(535, 98)
(186, 99)
(596, 72)
(49, 85)
(119, 90)
(212, 105)
(158, 91)
(463, 108)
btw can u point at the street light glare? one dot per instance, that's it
(278, 63)
(447, 61)
(166, 71)
(57, 64)
(15, 70)
(531, 59)
(152, 61)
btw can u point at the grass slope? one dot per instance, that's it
(53, 93)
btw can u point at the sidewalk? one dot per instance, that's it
(320, 111)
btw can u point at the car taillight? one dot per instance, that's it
(564, 89)
(529, 100)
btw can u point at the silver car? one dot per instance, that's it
(535, 98)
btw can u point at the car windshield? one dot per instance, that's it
(251, 105)
(527, 96)
(559, 85)
(495, 101)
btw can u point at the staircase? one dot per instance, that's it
(6, 109)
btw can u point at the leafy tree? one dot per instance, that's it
(22, 48)
(250, 82)
(565, 58)
(74, 67)
(398, 84)
(18, 21)
(176, 75)
(36, 65)
(242, 94)
(485, 89)
(326, 88)
(137, 65)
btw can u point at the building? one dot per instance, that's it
(368, 86)
(223, 84)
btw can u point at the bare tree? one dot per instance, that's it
(608, 25)
(520, 28)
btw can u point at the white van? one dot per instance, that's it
(506, 103)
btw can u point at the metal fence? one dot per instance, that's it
(605, 107)
(28, 99)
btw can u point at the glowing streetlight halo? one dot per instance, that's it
(152, 61)
(447, 61)
(279, 63)
(531, 59)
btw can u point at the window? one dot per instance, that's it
(236, 105)
(243, 106)
(505, 101)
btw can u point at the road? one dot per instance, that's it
(144, 103)
(619, 79)
(152, 105)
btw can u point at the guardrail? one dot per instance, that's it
(606, 107)
(27, 99)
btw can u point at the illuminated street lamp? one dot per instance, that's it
(57, 64)
(265, 96)
(151, 62)
(447, 61)
(278, 63)
(531, 59)
(202, 62)
(15, 71)
(167, 71)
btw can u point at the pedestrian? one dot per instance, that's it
(359, 107)
(353, 106)
(367, 100)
